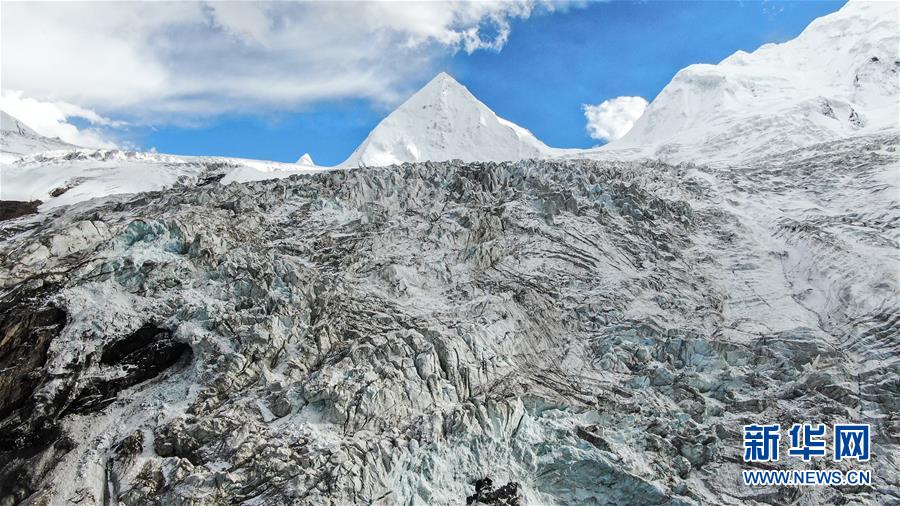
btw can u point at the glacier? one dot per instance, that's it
(585, 332)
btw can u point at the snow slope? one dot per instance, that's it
(8, 123)
(17, 140)
(34, 167)
(836, 79)
(444, 121)
(59, 178)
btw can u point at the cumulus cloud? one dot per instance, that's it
(165, 60)
(51, 119)
(613, 118)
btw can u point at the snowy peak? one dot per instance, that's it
(836, 79)
(18, 139)
(8, 123)
(306, 160)
(444, 121)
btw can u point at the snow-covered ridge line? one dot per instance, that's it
(838, 79)
(63, 177)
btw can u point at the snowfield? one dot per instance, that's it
(58, 178)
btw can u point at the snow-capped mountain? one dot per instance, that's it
(51, 173)
(8, 123)
(18, 139)
(838, 78)
(444, 121)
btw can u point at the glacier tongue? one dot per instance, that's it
(576, 332)
(444, 121)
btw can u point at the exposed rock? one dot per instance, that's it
(136, 358)
(485, 493)
(10, 209)
(56, 192)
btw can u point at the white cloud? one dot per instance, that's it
(613, 118)
(151, 60)
(51, 119)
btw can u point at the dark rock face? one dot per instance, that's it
(10, 209)
(485, 493)
(138, 357)
(28, 323)
(31, 438)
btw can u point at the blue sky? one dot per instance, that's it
(231, 80)
(553, 64)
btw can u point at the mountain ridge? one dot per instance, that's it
(17, 139)
(749, 105)
(837, 79)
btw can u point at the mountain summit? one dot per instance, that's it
(444, 121)
(18, 139)
(9, 123)
(836, 79)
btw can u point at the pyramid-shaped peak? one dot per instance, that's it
(444, 121)
(443, 78)
(441, 85)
